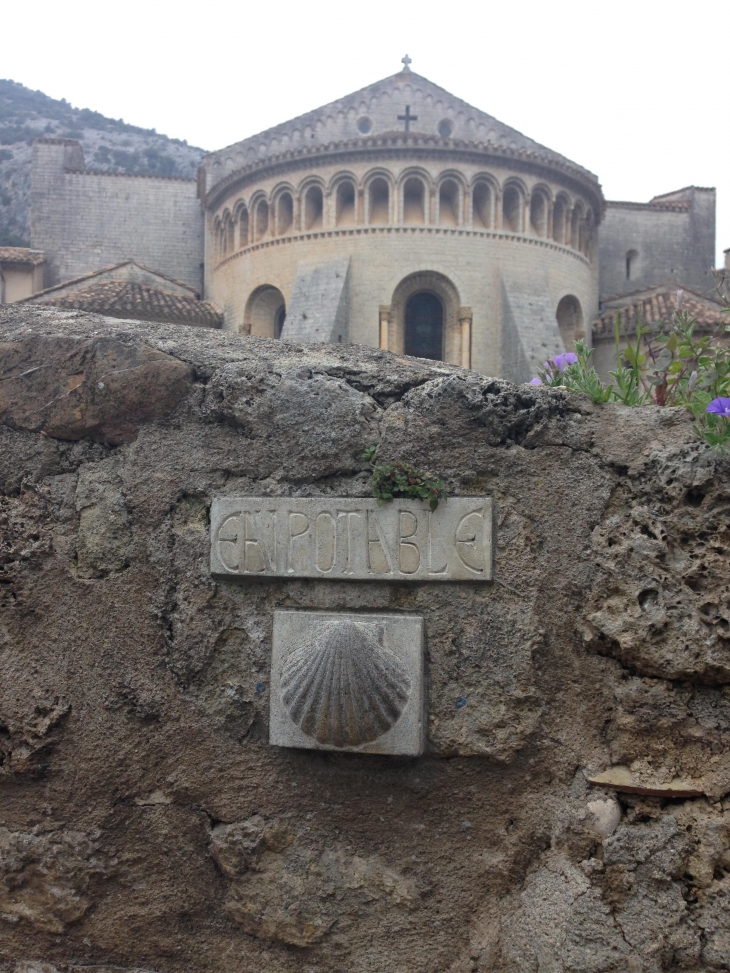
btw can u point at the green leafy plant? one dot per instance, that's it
(392, 480)
(672, 367)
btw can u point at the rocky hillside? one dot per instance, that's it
(110, 145)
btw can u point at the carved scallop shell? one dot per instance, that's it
(342, 687)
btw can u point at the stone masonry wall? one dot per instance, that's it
(85, 221)
(146, 824)
(672, 244)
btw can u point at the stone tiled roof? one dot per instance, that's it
(128, 299)
(119, 271)
(21, 255)
(658, 307)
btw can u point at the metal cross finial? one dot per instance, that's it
(405, 61)
(408, 118)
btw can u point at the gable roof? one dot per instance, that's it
(379, 104)
(128, 299)
(655, 306)
(125, 270)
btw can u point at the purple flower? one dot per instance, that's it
(720, 406)
(561, 362)
(535, 381)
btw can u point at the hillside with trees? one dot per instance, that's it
(110, 145)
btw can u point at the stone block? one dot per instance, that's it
(343, 539)
(348, 682)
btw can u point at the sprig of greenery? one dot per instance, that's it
(392, 480)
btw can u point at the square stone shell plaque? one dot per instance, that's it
(307, 684)
(346, 539)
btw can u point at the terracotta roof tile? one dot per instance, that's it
(658, 308)
(21, 255)
(127, 299)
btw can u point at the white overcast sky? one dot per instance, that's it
(638, 91)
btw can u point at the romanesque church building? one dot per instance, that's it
(398, 217)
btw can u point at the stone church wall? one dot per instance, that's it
(381, 257)
(669, 239)
(148, 824)
(381, 260)
(85, 221)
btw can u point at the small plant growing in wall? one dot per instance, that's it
(392, 480)
(673, 367)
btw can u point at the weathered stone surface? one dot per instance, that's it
(136, 688)
(102, 388)
(26, 737)
(295, 890)
(45, 877)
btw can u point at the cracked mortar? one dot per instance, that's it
(145, 822)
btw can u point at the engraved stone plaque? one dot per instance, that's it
(344, 681)
(351, 540)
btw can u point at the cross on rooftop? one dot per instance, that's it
(408, 118)
(406, 61)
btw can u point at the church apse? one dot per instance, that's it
(399, 180)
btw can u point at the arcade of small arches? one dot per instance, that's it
(378, 200)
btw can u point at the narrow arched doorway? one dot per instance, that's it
(424, 326)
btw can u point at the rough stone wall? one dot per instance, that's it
(147, 824)
(85, 221)
(672, 244)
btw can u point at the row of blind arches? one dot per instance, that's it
(482, 205)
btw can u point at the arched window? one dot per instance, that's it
(230, 236)
(575, 226)
(313, 208)
(425, 318)
(560, 213)
(512, 210)
(261, 221)
(632, 265)
(414, 201)
(345, 204)
(482, 205)
(586, 246)
(449, 203)
(424, 326)
(265, 312)
(582, 236)
(539, 213)
(379, 201)
(569, 316)
(243, 228)
(284, 213)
